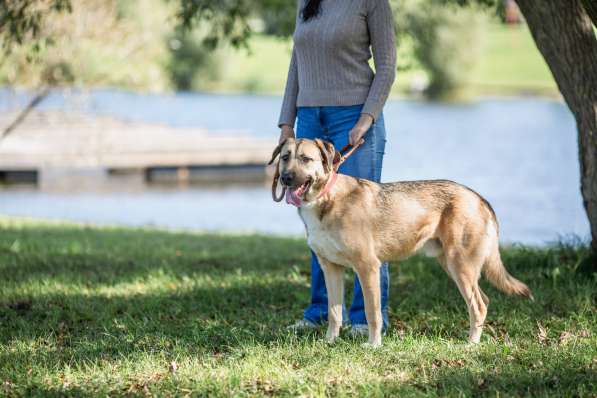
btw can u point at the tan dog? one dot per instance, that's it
(359, 224)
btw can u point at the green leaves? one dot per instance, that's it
(21, 21)
(226, 20)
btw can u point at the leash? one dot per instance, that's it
(345, 153)
(275, 186)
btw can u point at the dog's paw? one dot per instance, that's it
(331, 335)
(331, 339)
(474, 337)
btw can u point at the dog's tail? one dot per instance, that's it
(499, 277)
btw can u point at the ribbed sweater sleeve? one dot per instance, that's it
(383, 47)
(288, 112)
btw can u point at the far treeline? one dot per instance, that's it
(563, 31)
(445, 52)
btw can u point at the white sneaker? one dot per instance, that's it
(302, 325)
(361, 330)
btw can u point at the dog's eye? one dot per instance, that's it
(306, 159)
(285, 157)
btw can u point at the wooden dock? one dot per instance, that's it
(57, 140)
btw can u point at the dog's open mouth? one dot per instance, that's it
(294, 195)
(301, 189)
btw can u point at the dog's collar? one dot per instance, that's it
(294, 200)
(328, 185)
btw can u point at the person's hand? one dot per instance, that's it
(286, 132)
(359, 129)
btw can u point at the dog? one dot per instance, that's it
(356, 223)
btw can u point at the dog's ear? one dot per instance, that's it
(329, 155)
(277, 151)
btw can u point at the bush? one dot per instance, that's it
(278, 16)
(448, 41)
(191, 65)
(98, 43)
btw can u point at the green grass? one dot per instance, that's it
(512, 63)
(88, 311)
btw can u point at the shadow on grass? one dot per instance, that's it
(203, 320)
(77, 293)
(109, 256)
(574, 378)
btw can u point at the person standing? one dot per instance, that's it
(333, 94)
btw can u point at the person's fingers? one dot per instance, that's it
(355, 136)
(286, 133)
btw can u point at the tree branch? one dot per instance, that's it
(19, 119)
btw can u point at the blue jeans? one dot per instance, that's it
(333, 123)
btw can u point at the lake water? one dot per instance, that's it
(520, 153)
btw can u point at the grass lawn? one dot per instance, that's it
(88, 311)
(512, 63)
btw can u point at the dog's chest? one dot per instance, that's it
(322, 239)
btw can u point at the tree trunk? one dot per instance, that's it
(564, 35)
(591, 9)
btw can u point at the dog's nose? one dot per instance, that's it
(287, 178)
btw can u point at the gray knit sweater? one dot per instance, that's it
(329, 64)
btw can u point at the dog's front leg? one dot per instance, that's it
(334, 282)
(368, 273)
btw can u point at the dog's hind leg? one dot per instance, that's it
(480, 313)
(466, 277)
(334, 282)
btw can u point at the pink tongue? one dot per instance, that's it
(292, 198)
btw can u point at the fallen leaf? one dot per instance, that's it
(537, 364)
(507, 340)
(491, 330)
(584, 333)
(564, 336)
(542, 335)
(8, 384)
(400, 327)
